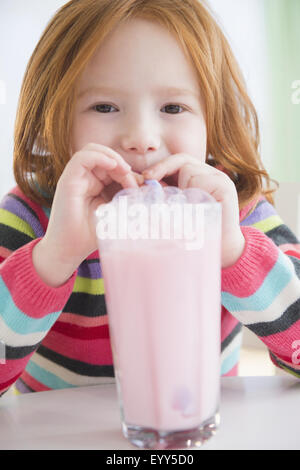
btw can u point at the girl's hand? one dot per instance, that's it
(91, 177)
(195, 174)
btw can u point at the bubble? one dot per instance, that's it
(178, 198)
(152, 192)
(197, 195)
(132, 195)
(166, 215)
(171, 190)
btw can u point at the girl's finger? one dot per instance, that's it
(139, 178)
(107, 179)
(97, 162)
(103, 175)
(168, 166)
(110, 190)
(187, 171)
(185, 174)
(108, 152)
(219, 185)
(128, 181)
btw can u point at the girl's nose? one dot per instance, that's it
(140, 140)
(139, 148)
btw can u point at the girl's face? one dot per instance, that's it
(139, 95)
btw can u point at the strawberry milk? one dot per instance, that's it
(164, 306)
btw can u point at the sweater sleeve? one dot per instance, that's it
(28, 307)
(262, 289)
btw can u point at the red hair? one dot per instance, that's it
(44, 116)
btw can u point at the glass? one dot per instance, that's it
(163, 298)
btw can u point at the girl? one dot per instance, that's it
(117, 91)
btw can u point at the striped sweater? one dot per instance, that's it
(59, 337)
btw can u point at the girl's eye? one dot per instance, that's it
(104, 108)
(108, 108)
(173, 109)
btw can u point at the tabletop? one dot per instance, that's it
(256, 413)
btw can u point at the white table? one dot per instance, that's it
(256, 413)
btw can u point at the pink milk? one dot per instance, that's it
(164, 318)
(164, 308)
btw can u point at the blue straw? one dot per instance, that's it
(153, 183)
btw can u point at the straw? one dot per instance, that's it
(153, 183)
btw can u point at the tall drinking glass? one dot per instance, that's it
(162, 280)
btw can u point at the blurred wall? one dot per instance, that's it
(21, 24)
(265, 39)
